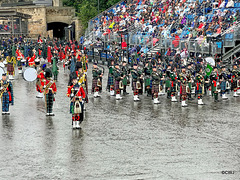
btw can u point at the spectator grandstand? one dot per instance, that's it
(179, 24)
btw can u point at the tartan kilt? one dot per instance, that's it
(134, 85)
(124, 81)
(183, 89)
(223, 85)
(155, 88)
(94, 84)
(234, 84)
(167, 84)
(110, 80)
(173, 86)
(116, 85)
(200, 89)
(49, 98)
(10, 67)
(147, 82)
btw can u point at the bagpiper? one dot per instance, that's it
(6, 94)
(147, 77)
(215, 83)
(96, 82)
(77, 97)
(110, 83)
(234, 80)
(190, 79)
(117, 79)
(50, 90)
(223, 78)
(156, 78)
(136, 85)
(11, 61)
(167, 81)
(199, 84)
(173, 82)
(125, 81)
(184, 88)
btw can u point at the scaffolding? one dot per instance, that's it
(13, 23)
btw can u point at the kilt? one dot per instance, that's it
(223, 85)
(10, 68)
(147, 82)
(234, 84)
(5, 102)
(110, 80)
(124, 81)
(183, 89)
(200, 89)
(155, 88)
(94, 84)
(173, 86)
(167, 84)
(49, 98)
(134, 85)
(116, 85)
(214, 88)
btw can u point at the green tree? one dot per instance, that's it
(87, 9)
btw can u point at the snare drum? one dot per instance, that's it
(30, 74)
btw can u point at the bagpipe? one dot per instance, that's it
(4, 88)
(46, 89)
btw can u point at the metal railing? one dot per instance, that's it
(206, 45)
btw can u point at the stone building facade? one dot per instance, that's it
(47, 19)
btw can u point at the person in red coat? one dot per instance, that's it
(40, 77)
(77, 97)
(50, 90)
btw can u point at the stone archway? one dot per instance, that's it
(57, 28)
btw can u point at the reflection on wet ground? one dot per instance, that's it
(119, 139)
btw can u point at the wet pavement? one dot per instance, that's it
(119, 139)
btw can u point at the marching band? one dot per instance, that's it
(154, 76)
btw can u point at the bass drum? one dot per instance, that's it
(1, 72)
(30, 74)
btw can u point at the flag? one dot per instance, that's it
(209, 69)
(111, 26)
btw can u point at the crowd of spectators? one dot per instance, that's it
(169, 19)
(7, 27)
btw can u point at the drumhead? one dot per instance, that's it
(30, 74)
(1, 71)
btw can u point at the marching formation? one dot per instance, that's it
(181, 80)
(156, 76)
(39, 60)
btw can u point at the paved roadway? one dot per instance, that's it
(119, 139)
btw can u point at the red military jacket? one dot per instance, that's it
(40, 75)
(80, 93)
(53, 86)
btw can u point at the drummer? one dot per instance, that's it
(31, 61)
(40, 77)
(6, 94)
